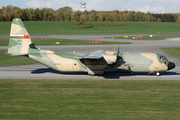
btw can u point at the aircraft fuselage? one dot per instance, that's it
(131, 62)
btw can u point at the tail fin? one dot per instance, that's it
(19, 41)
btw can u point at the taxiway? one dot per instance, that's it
(39, 71)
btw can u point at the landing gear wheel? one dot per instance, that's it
(157, 74)
(100, 74)
(92, 74)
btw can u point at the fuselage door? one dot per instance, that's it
(75, 66)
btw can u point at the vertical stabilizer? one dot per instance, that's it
(19, 40)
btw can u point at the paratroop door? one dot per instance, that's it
(75, 66)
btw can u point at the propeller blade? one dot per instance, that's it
(118, 50)
(118, 58)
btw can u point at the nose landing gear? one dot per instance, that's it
(157, 74)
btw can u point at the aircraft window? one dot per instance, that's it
(162, 58)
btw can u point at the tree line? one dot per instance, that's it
(7, 13)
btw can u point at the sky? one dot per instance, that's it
(153, 6)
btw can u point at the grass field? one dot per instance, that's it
(4, 41)
(145, 37)
(39, 27)
(8, 60)
(174, 51)
(89, 99)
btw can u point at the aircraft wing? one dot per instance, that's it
(95, 62)
(94, 55)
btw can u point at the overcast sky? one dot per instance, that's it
(153, 6)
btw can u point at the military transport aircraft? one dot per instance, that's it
(94, 63)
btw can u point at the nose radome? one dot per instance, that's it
(171, 65)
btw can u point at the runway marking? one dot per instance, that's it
(155, 42)
(97, 39)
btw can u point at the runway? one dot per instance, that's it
(39, 71)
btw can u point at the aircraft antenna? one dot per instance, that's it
(83, 5)
(120, 6)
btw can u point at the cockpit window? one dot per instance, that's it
(162, 58)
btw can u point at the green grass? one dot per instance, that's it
(8, 60)
(174, 51)
(45, 27)
(4, 41)
(145, 37)
(90, 99)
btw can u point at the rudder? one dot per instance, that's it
(19, 41)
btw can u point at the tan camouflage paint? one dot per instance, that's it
(156, 65)
(25, 46)
(63, 64)
(110, 58)
(15, 29)
(109, 52)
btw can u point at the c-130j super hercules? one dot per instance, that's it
(94, 63)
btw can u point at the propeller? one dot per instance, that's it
(118, 58)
